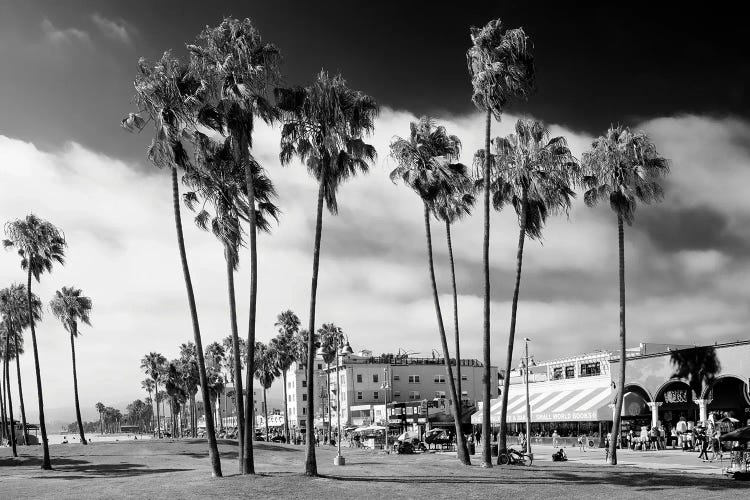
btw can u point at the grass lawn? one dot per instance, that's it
(180, 469)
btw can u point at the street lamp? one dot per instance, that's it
(340, 350)
(525, 365)
(386, 387)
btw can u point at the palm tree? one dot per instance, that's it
(266, 369)
(215, 357)
(39, 244)
(424, 165)
(149, 386)
(284, 345)
(237, 70)
(624, 168)
(216, 384)
(188, 365)
(501, 69)
(330, 337)
(535, 174)
(449, 206)
(70, 306)
(220, 182)
(7, 355)
(323, 125)
(173, 383)
(14, 311)
(153, 365)
(100, 408)
(164, 93)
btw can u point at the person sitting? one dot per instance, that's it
(559, 456)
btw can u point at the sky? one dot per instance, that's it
(66, 81)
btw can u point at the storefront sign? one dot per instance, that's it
(676, 397)
(566, 416)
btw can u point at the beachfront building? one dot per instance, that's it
(575, 395)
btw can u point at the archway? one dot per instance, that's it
(728, 395)
(677, 400)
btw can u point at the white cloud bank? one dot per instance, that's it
(119, 224)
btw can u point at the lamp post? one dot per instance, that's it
(340, 349)
(386, 385)
(525, 365)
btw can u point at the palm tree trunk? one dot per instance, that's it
(158, 417)
(502, 440)
(455, 315)
(218, 412)
(311, 465)
(286, 409)
(3, 414)
(20, 392)
(152, 411)
(101, 421)
(265, 411)
(213, 450)
(328, 400)
(486, 376)
(461, 450)
(621, 387)
(46, 464)
(12, 426)
(237, 357)
(248, 461)
(75, 385)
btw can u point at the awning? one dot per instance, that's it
(555, 402)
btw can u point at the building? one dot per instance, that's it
(369, 382)
(576, 394)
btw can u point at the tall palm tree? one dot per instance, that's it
(173, 383)
(449, 206)
(149, 386)
(14, 311)
(39, 244)
(165, 93)
(624, 168)
(535, 174)
(284, 345)
(153, 365)
(502, 69)
(266, 368)
(8, 354)
(330, 337)
(100, 408)
(220, 182)
(324, 124)
(424, 164)
(238, 69)
(70, 306)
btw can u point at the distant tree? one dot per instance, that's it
(284, 345)
(39, 244)
(330, 337)
(149, 386)
(622, 167)
(698, 365)
(153, 365)
(266, 371)
(70, 306)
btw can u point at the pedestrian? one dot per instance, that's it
(555, 435)
(582, 443)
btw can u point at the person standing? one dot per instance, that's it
(555, 435)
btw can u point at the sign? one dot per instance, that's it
(677, 396)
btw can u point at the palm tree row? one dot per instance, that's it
(40, 245)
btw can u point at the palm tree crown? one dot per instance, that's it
(500, 65)
(70, 307)
(623, 167)
(14, 309)
(39, 243)
(265, 366)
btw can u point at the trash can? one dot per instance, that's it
(493, 448)
(472, 449)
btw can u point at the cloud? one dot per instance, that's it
(116, 30)
(64, 36)
(685, 281)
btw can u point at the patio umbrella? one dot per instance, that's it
(406, 436)
(742, 435)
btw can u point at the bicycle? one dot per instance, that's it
(512, 456)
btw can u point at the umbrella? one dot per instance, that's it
(406, 436)
(742, 434)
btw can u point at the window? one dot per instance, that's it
(396, 394)
(304, 397)
(320, 366)
(557, 373)
(439, 379)
(396, 377)
(375, 395)
(414, 395)
(440, 394)
(464, 377)
(304, 410)
(570, 371)
(359, 394)
(359, 378)
(374, 378)
(465, 395)
(304, 383)
(413, 379)
(590, 369)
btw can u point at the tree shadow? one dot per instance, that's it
(107, 470)
(37, 461)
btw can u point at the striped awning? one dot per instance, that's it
(554, 402)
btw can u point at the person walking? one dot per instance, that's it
(555, 435)
(703, 440)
